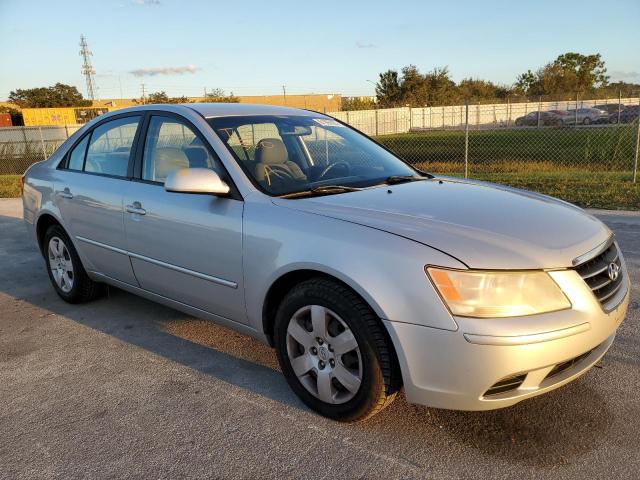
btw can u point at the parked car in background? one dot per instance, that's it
(610, 107)
(627, 115)
(363, 273)
(585, 116)
(545, 119)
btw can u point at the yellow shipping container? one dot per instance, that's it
(61, 116)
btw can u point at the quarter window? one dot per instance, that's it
(171, 145)
(110, 147)
(76, 158)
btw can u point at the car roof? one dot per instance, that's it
(211, 110)
(227, 109)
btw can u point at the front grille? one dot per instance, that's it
(561, 367)
(505, 385)
(595, 272)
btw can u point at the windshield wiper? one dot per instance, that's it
(395, 179)
(321, 190)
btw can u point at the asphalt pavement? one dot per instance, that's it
(122, 387)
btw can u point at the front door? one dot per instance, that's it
(184, 247)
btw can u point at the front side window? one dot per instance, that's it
(110, 147)
(171, 145)
(288, 153)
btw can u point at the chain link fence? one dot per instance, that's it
(567, 149)
(23, 146)
(563, 148)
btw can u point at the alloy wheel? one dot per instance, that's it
(324, 354)
(60, 264)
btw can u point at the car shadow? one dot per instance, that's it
(543, 431)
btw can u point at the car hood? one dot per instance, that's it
(483, 225)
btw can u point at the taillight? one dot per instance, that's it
(22, 185)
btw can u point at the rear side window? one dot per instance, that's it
(76, 158)
(110, 147)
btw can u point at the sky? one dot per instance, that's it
(255, 47)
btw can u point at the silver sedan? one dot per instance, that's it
(366, 275)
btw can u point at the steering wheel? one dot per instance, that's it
(277, 171)
(333, 166)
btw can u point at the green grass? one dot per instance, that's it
(586, 148)
(9, 186)
(589, 167)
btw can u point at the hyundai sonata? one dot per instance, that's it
(365, 274)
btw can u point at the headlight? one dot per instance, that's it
(471, 293)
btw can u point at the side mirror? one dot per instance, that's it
(195, 180)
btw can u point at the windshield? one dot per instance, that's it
(286, 154)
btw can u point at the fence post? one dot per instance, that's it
(44, 152)
(576, 112)
(539, 107)
(635, 159)
(619, 104)
(66, 130)
(376, 112)
(466, 139)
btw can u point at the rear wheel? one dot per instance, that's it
(67, 275)
(586, 121)
(333, 351)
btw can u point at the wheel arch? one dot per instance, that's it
(285, 282)
(45, 220)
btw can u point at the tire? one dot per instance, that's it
(586, 121)
(320, 301)
(67, 275)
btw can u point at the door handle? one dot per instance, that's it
(66, 193)
(136, 208)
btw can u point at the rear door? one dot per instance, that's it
(89, 195)
(186, 247)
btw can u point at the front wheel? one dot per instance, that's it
(333, 351)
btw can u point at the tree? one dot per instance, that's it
(59, 95)
(388, 92)
(358, 103)
(477, 90)
(442, 90)
(414, 89)
(162, 97)
(217, 95)
(567, 75)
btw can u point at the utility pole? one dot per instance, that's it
(284, 93)
(205, 93)
(87, 68)
(144, 96)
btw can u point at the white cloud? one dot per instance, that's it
(146, 2)
(625, 75)
(150, 72)
(365, 45)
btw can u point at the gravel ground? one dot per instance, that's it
(123, 387)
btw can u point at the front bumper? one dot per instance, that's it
(457, 369)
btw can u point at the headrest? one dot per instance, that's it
(271, 151)
(197, 156)
(167, 160)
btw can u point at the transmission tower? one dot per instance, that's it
(87, 68)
